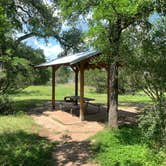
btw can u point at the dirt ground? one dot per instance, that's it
(72, 134)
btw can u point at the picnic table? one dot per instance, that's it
(77, 98)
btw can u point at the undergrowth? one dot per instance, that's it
(124, 147)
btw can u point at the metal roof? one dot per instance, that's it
(70, 59)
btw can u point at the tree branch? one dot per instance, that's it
(25, 11)
(26, 36)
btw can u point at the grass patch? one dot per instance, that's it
(123, 147)
(41, 94)
(20, 144)
(14, 123)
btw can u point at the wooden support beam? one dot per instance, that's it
(108, 87)
(76, 71)
(53, 87)
(76, 84)
(82, 116)
(54, 68)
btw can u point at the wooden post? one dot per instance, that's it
(53, 87)
(108, 87)
(82, 117)
(76, 84)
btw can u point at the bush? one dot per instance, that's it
(152, 123)
(124, 147)
(97, 79)
(6, 105)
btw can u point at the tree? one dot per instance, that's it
(97, 79)
(72, 42)
(31, 18)
(109, 20)
(35, 57)
(147, 62)
(20, 20)
(18, 69)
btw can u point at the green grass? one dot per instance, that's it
(16, 123)
(44, 93)
(123, 147)
(20, 143)
(36, 95)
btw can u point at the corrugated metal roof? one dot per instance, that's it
(70, 59)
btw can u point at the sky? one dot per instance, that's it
(51, 49)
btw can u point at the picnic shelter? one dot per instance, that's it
(78, 62)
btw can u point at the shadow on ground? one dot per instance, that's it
(92, 112)
(25, 93)
(72, 153)
(138, 105)
(28, 105)
(21, 148)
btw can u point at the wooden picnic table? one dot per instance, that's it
(77, 98)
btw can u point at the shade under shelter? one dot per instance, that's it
(79, 63)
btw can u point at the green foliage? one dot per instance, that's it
(97, 79)
(107, 19)
(17, 74)
(126, 83)
(17, 70)
(19, 146)
(31, 18)
(152, 123)
(72, 40)
(6, 105)
(35, 57)
(63, 75)
(147, 60)
(123, 147)
(17, 61)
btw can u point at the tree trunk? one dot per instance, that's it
(113, 114)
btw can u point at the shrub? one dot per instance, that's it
(97, 79)
(6, 105)
(124, 147)
(152, 123)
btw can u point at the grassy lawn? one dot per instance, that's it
(123, 147)
(36, 95)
